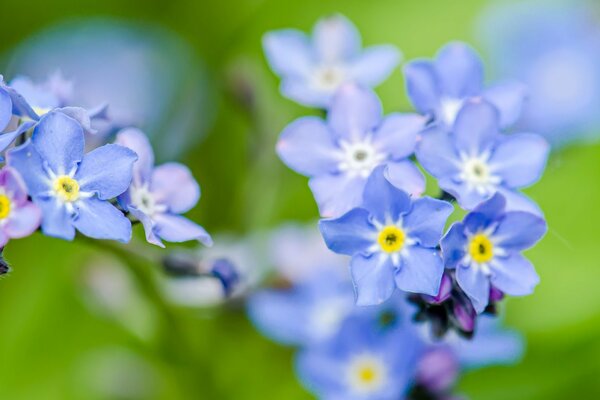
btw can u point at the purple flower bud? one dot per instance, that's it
(438, 370)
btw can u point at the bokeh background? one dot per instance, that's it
(77, 323)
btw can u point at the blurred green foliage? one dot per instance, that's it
(55, 346)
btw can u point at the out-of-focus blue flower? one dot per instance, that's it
(392, 240)
(71, 189)
(305, 314)
(19, 217)
(340, 153)
(440, 88)
(312, 69)
(475, 161)
(361, 362)
(485, 249)
(158, 195)
(554, 48)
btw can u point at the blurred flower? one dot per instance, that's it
(158, 195)
(312, 69)
(476, 161)
(554, 48)
(19, 217)
(440, 88)
(71, 189)
(340, 153)
(485, 250)
(392, 240)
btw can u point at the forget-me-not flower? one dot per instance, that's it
(339, 154)
(475, 161)
(19, 217)
(485, 249)
(72, 189)
(440, 88)
(158, 195)
(313, 68)
(392, 240)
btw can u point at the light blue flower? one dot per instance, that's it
(392, 240)
(439, 88)
(485, 249)
(158, 195)
(339, 154)
(72, 189)
(313, 68)
(475, 161)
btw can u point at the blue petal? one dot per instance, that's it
(6, 139)
(56, 220)
(6, 109)
(375, 65)
(517, 201)
(337, 194)
(514, 275)
(436, 153)
(35, 95)
(174, 228)
(475, 284)
(106, 171)
(426, 220)
(466, 197)
(508, 98)
(288, 52)
(384, 201)
(99, 219)
(373, 278)
(302, 91)
(406, 176)
(174, 186)
(453, 245)
(148, 225)
(350, 234)
(335, 39)
(137, 141)
(307, 146)
(460, 70)
(321, 373)
(520, 159)
(422, 86)
(476, 127)
(81, 116)
(420, 271)
(26, 160)
(354, 112)
(520, 230)
(397, 134)
(486, 213)
(59, 141)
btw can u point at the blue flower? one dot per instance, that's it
(158, 195)
(440, 88)
(340, 153)
(475, 161)
(361, 362)
(72, 189)
(392, 240)
(485, 249)
(312, 69)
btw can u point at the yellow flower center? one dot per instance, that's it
(367, 374)
(67, 188)
(391, 239)
(4, 206)
(481, 248)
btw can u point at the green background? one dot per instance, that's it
(56, 344)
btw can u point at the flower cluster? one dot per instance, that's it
(365, 176)
(51, 182)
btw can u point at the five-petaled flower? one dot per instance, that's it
(392, 240)
(440, 88)
(475, 161)
(340, 153)
(485, 249)
(72, 189)
(312, 69)
(158, 195)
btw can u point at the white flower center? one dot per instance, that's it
(475, 171)
(328, 77)
(143, 200)
(359, 158)
(327, 316)
(449, 108)
(366, 373)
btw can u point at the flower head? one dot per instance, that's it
(485, 249)
(71, 188)
(440, 88)
(475, 161)
(339, 154)
(158, 195)
(312, 69)
(392, 240)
